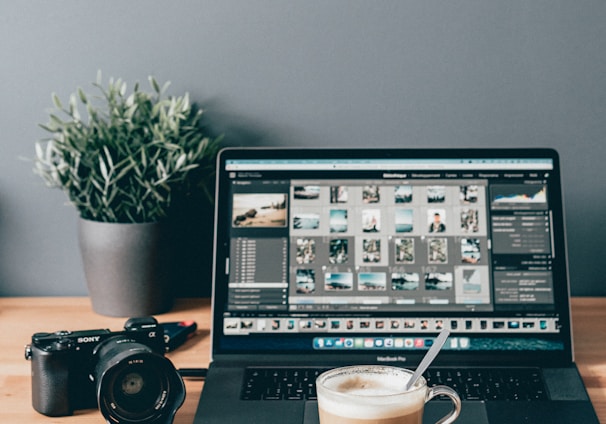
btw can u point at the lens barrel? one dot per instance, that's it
(136, 384)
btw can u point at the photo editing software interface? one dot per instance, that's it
(375, 253)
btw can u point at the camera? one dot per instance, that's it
(123, 373)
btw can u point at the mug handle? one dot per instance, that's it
(456, 400)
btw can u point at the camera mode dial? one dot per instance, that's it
(62, 344)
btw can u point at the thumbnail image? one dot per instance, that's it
(372, 281)
(306, 324)
(259, 210)
(338, 251)
(306, 281)
(370, 194)
(246, 324)
(438, 281)
(338, 281)
(306, 251)
(437, 250)
(468, 194)
(404, 281)
(436, 194)
(306, 221)
(307, 192)
(403, 220)
(472, 281)
(403, 194)
(404, 250)
(338, 221)
(371, 220)
(338, 194)
(436, 219)
(470, 250)
(371, 250)
(470, 221)
(231, 324)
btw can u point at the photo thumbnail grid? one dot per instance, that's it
(406, 240)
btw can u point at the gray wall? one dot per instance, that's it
(310, 73)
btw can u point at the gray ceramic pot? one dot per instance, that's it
(126, 267)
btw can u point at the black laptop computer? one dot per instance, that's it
(331, 257)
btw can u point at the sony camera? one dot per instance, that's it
(124, 373)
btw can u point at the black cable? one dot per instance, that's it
(193, 372)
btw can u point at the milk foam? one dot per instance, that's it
(373, 396)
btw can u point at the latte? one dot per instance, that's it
(367, 398)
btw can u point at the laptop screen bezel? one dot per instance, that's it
(221, 251)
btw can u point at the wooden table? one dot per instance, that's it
(21, 317)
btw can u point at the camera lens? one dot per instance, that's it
(136, 392)
(135, 384)
(132, 384)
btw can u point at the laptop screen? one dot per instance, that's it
(344, 251)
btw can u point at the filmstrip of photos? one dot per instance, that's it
(364, 233)
(239, 325)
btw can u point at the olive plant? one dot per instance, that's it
(129, 155)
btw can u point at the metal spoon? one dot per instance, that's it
(429, 357)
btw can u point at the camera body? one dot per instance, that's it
(124, 373)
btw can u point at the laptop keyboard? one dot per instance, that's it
(491, 384)
(280, 384)
(520, 384)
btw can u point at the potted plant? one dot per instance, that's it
(123, 165)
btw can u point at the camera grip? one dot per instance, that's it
(50, 382)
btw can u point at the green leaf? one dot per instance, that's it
(39, 151)
(56, 101)
(103, 168)
(143, 158)
(154, 84)
(82, 96)
(48, 127)
(73, 108)
(108, 157)
(180, 161)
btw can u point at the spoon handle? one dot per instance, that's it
(429, 357)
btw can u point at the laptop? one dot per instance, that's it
(333, 257)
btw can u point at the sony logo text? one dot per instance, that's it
(91, 339)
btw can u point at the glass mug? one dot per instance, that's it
(376, 394)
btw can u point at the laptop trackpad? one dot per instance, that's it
(472, 412)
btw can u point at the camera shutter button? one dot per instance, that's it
(62, 333)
